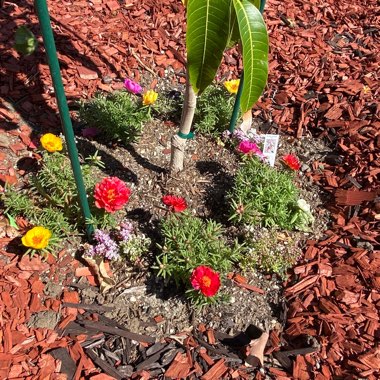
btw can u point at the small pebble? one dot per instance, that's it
(107, 79)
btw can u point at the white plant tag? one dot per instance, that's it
(270, 148)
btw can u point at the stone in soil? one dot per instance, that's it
(44, 320)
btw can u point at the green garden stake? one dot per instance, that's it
(235, 112)
(262, 6)
(51, 52)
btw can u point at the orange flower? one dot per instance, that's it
(291, 161)
(51, 143)
(206, 280)
(36, 238)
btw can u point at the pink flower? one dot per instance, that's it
(111, 194)
(90, 132)
(249, 147)
(291, 161)
(132, 86)
(176, 204)
(206, 280)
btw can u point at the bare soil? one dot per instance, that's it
(140, 299)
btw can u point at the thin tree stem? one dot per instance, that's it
(179, 143)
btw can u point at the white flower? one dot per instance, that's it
(303, 205)
(308, 217)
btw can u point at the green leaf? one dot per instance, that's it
(256, 3)
(255, 44)
(25, 42)
(206, 39)
(234, 35)
(12, 221)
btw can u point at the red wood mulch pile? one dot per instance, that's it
(23, 352)
(324, 74)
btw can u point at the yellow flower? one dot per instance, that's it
(232, 85)
(36, 238)
(149, 97)
(366, 90)
(51, 143)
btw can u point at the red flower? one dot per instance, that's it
(111, 194)
(206, 280)
(176, 204)
(291, 161)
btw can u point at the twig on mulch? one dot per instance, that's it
(93, 307)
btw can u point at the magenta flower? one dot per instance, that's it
(132, 86)
(90, 132)
(249, 147)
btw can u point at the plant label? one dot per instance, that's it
(270, 148)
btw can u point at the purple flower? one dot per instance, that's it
(105, 246)
(249, 147)
(226, 134)
(132, 86)
(255, 137)
(239, 134)
(126, 230)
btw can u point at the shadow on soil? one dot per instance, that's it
(22, 85)
(220, 183)
(111, 164)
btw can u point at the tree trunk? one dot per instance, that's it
(178, 144)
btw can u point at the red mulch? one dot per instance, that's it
(324, 81)
(24, 350)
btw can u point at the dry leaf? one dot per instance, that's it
(256, 348)
(12, 232)
(247, 121)
(98, 265)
